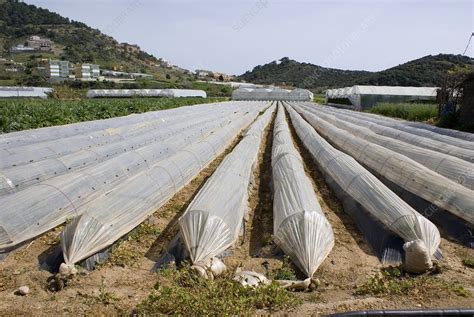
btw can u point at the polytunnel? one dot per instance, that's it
(43, 206)
(21, 138)
(168, 93)
(397, 168)
(421, 236)
(57, 161)
(300, 228)
(403, 127)
(456, 169)
(420, 141)
(25, 92)
(121, 209)
(214, 219)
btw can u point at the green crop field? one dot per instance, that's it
(22, 114)
(407, 111)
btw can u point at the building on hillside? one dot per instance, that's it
(364, 97)
(57, 70)
(207, 74)
(87, 71)
(39, 44)
(113, 73)
(130, 48)
(272, 93)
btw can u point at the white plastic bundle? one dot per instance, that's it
(118, 211)
(401, 125)
(456, 169)
(397, 168)
(423, 142)
(299, 225)
(421, 236)
(45, 205)
(213, 220)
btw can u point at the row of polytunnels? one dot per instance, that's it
(400, 183)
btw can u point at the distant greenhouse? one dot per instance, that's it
(125, 93)
(362, 97)
(272, 93)
(25, 92)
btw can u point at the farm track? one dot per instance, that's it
(127, 279)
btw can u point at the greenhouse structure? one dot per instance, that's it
(126, 93)
(25, 92)
(272, 93)
(362, 97)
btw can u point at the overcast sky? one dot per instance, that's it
(233, 36)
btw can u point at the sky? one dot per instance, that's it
(233, 36)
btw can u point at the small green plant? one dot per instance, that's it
(104, 296)
(124, 255)
(285, 272)
(469, 262)
(142, 230)
(183, 292)
(267, 240)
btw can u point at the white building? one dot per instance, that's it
(58, 70)
(87, 71)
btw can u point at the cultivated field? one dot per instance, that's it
(227, 178)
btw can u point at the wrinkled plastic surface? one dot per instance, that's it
(397, 168)
(43, 206)
(213, 220)
(367, 190)
(167, 93)
(117, 212)
(417, 140)
(456, 169)
(299, 225)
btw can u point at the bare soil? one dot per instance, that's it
(116, 287)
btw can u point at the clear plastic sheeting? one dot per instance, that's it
(300, 228)
(214, 219)
(167, 93)
(367, 96)
(18, 177)
(13, 156)
(421, 236)
(456, 169)
(399, 169)
(16, 139)
(25, 92)
(43, 206)
(420, 141)
(272, 93)
(400, 125)
(117, 212)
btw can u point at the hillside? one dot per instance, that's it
(73, 41)
(426, 71)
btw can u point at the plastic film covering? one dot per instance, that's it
(15, 155)
(424, 142)
(25, 92)
(400, 125)
(18, 177)
(167, 93)
(118, 211)
(399, 169)
(299, 225)
(272, 93)
(456, 169)
(213, 220)
(45, 205)
(421, 236)
(15, 139)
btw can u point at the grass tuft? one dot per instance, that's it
(392, 281)
(183, 292)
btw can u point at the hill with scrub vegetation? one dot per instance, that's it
(426, 71)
